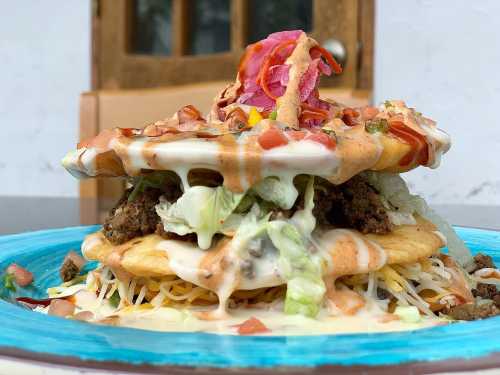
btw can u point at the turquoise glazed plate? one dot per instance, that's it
(33, 336)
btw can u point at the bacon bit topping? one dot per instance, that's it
(251, 326)
(419, 148)
(349, 116)
(322, 138)
(329, 58)
(274, 58)
(188, 113)
(309, 112)
(369, 113)
(272, 138)
(237, 119)
(22, 276)
(61, 307)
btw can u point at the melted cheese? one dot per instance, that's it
(364, 319)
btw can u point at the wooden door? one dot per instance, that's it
(154, 43)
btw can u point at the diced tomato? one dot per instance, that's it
(61, 307)
(22, 276)
(251, 326)
(322, 138)
(128, 132)
(296, 135)
(272, 138)
(349, 116)
(368, 112)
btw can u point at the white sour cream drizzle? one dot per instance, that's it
(342, 251)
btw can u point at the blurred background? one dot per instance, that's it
(139, 60)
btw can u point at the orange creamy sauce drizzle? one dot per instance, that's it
(356, 150)
(214, 264)
(150, 156)
(345, 257)
(288, 105)
(252, 160)
(229, 165)
(121, 145)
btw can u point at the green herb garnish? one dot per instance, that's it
(377, 126)
(388, 104)
(8, 282)
(273, 115)
(114, 300)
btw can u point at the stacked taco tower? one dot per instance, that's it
(276, 198)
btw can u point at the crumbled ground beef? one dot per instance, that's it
(486, 291)
(383, 294)
(473, 311)
(68, 270)
(483, 261)
(131, 219)
(160, 230)
(353, 204)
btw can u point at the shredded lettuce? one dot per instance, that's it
(304, 219)
(201, 210)
(393, 188)
(278, 191)
(305, 286)
(252, 226)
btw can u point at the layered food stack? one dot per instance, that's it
(278, 203)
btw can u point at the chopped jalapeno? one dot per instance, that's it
(329, 132)
(377, 126)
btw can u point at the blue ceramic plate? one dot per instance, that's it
(33, 335)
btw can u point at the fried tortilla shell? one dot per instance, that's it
(141, 257)
(409, 243)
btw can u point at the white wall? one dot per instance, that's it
(442, 57)
(44, 65)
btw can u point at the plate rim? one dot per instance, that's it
(490, 360)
